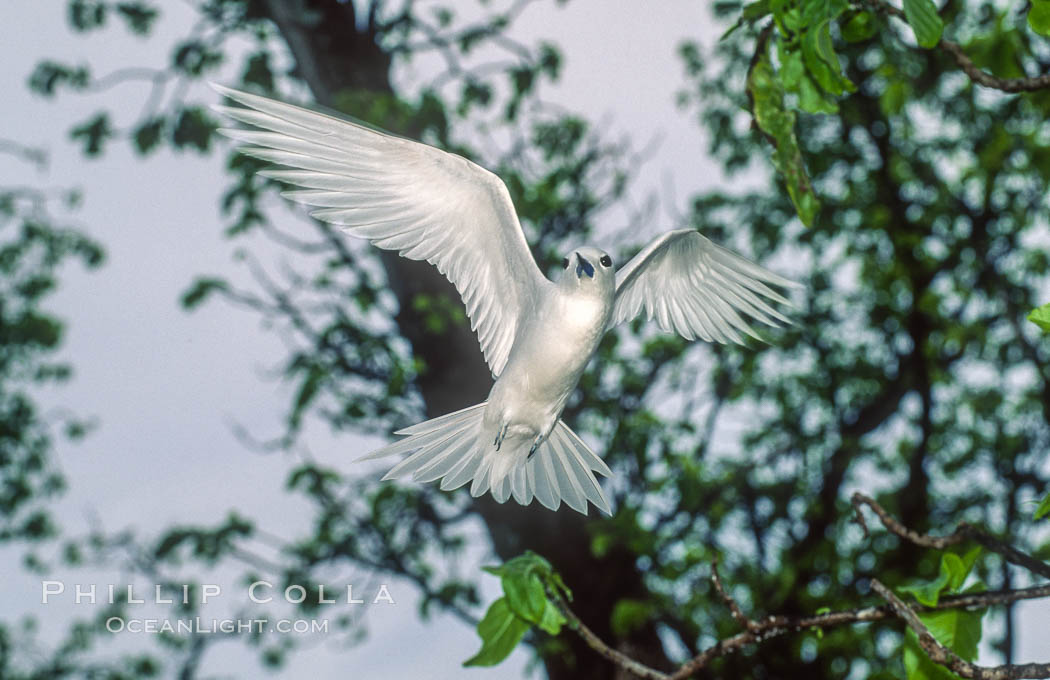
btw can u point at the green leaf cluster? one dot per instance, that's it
(778, 122)
(809, 66)
(808, 74)
(527, 581)
(957, 629)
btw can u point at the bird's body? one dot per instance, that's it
(548, 356)
(537, 335)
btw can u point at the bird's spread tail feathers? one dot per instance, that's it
(456, 449)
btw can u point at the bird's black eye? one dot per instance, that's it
(606, 261)
(564, 263)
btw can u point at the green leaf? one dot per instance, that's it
(930, 592)
(525, 596)
(308, 389)
(1040, 316)
(147, 135)
(859, 27)
(917, 665)
(193, 128)
(752, 12)
(818, 39)
(138, 16)
(924, 21)
(525, 580)
(500, 630)
(1039, 17)
(812, 99)
(93, 133)
(48, 76)
(258, 71)
(200, 290)
(552, 620)
(954, 570)
(957, 629)
(550, 60)
(85, 15)
(774, 119)
(1044, 508)
(960, 566)
(195, 57)
(629, 615)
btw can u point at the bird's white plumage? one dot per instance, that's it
(537, 335)
(698, 289)
(401, 195)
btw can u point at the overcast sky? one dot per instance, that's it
(165, 385)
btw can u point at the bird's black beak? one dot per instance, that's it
(583, 267)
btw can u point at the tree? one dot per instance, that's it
(35, 245)
(910, 369)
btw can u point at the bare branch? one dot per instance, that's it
(963, 533)
(37, 157)
(734, 608)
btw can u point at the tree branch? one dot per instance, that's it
(963, 533)
(976, 74)
(759, 630)
(597, 644)
(940, 654)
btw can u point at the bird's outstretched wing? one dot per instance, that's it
(695, 288)
(401, 195)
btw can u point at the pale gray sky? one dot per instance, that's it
(164, 385)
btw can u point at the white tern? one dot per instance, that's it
(537, 335)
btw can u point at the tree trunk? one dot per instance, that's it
(332, 55)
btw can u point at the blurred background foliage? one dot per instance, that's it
(911, 374)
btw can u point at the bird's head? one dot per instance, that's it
(588, 267)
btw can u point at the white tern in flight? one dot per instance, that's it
(537, 335)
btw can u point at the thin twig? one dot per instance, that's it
(37, 157)
(734, 608)
(940, 654)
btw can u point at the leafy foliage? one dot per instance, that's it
(954, 570)
(32, 251)
(767, 97)
(527, 580)
(880, 389)
(957, 629)
(501, 630)
(48, 76)
(907, 374)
